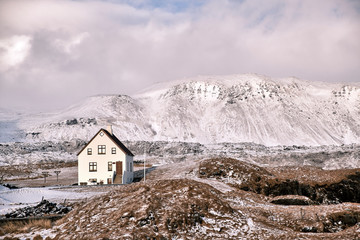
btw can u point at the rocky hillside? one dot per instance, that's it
(237, 108)
(164, 152)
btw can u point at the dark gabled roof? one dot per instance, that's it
(119, 143)
(114, 139)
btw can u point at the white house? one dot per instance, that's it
(105, 160)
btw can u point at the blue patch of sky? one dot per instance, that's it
(337, 12)
(271, 15)
(356, 5)
(174, 6)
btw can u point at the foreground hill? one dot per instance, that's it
(207, 199)
(216, 198)
(237, 108)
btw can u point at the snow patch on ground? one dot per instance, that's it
(15, 198)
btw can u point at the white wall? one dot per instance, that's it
(129, 170)
(102, 160)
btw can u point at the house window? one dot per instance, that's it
(130, 167)
(89, 151)
(113, 150)
(101, 149)
(92, 166)
(109, 166)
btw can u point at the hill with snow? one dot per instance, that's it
(235, 108)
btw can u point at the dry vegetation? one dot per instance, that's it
(312, 175)
(222, 199)
(31, 171)
(321, 186)
(166, 209)
(24, 226)
(32, 175)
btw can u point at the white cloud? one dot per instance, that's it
(69, 45)
(81, 48)
(13, 51)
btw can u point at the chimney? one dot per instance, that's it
(109, 129)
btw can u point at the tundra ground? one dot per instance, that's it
(220, 198)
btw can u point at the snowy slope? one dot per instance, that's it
(9, 132)
(254, 108)
(236, 108)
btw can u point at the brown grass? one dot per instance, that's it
(139, 165)
(312, 175)
(23, 172)
(155, 209)
(23, 227)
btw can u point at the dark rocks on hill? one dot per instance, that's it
(341, 220)
(43, 208)
(347, 190)
(72, 122)
(292, 200)
(9, 186)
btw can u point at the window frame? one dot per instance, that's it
(89, 151)
(92, 166)
(101, 149)
(113, 150)
(110, 166)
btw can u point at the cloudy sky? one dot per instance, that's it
(54, 53)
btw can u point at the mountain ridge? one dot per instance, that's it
(209, 109)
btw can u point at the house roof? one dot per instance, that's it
(114, 139)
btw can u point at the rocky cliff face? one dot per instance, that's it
(237, 108)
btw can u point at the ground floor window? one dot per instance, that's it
(109, 166)
(92, 166)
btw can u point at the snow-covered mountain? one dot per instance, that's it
(236, 108)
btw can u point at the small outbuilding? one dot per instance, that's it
(105, 160)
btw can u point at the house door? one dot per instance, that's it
(119, 168)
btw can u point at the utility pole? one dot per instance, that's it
(145, 163)
(57, 175)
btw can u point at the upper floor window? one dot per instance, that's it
(113, 150)
(92, 166)
(101, 149)
(89, 151)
